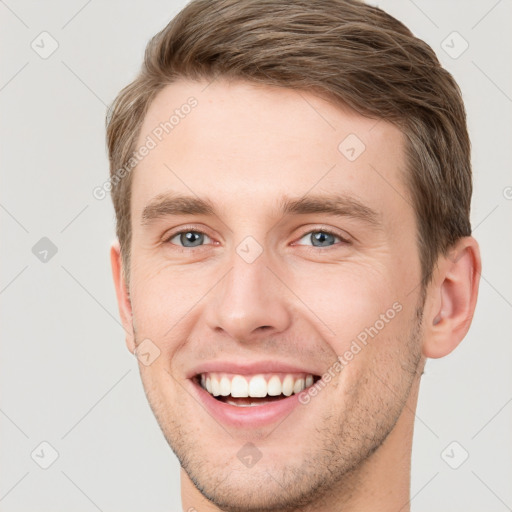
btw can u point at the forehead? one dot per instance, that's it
(246, 146)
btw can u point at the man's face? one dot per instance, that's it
(252, 288)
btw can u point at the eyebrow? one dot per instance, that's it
(165, 205)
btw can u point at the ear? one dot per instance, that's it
(123, 296)
(451, 298)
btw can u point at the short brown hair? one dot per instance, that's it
(351, 52)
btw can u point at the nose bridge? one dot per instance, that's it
(250, 297)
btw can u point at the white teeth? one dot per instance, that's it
(225, 386)
(298, 386)
(274, 387)
(288, 385)
(258, 386)
(239, 387)
(215, 387)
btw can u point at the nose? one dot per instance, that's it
(250, 302)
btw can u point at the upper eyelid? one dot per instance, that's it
(171, 233)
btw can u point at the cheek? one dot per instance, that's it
(347, 301)
(163, 298)
(343, 302)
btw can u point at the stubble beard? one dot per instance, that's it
(340, 447)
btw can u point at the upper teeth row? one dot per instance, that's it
(256, 386)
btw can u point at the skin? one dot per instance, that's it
(244, 147)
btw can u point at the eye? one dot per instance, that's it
(321, 238)
(189, 238)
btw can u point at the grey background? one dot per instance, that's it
(66, 375)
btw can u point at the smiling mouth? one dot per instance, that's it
(254, 390)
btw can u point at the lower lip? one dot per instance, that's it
(249, 416)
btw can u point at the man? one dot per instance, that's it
(292, 189)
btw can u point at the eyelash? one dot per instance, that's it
(328, 231)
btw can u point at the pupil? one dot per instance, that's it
(322, 237)
(191, 239)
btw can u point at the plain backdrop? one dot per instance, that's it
(66, 377)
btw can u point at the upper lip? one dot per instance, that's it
(248, 368)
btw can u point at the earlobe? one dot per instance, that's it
(123, 299)
(453, 293)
